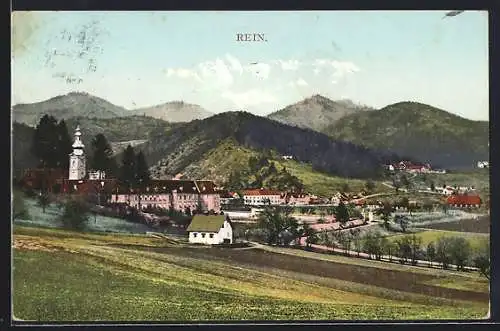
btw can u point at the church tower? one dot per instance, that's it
(77, 169)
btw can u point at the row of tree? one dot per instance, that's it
(409, 248)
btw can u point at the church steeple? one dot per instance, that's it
(78, 144)
(77, 167)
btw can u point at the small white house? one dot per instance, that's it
(210, 230)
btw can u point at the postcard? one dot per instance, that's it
(216, 167)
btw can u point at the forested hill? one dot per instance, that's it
(418, 130)
(187, 143)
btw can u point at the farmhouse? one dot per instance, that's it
(210, 230)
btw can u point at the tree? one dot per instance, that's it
(482, 259)
(443, 255)
(403, 221)
(75, 214)
(310, 234)
(444, 207)
(19, 209)
(404, 203)
(342, 213)
(357, 240)
(64, 145)
(128, 167)
(45, 142)
(433, 186)
(460, 251)
(404, 249)
(405, 182)
(370, 186)
(142, 174)
(275, 221)
(102, 155)
(415, 244)
(431, 252)
(43, 200)
(385, 211)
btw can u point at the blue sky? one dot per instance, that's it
(146, 58)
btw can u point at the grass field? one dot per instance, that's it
(475, 239)
(479, 225)
(323, 184)
(82, 277)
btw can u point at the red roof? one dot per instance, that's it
(261, 192)
(463, 200)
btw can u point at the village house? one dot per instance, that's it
(409, 167)
(259, 197)
(210, 230)
(298, 199)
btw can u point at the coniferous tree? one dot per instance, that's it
(342, 213)
(64, 145)
(102, 158)
(45, 142)
(142, 174)
(128, 167)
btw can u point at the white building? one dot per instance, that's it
(263, 197)
(210, 230)
(97, 174)
(77, 167)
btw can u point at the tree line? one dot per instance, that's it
(52, 146)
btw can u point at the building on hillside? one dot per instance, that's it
(464, 201)
(259, 197)
(210, 230)
(409, 167)
(77, 161)
(297, 199)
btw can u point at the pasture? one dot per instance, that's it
(474, 239)
(118, 277)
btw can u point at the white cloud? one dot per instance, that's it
(298, 82)
(289, 65)
(249, 98)
(259, 70)
(340, 68)
(183, 73)
(234, 63)
(216, 73)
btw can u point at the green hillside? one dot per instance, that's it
(419, 131)
(228, 157)
(188, 143)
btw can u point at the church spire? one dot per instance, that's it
(78, 144)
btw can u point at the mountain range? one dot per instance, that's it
(188, 143)
(337, 137)
(84, 105)
(316, 112)
(424, 132)
(175, 111)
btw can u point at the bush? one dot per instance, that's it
(75, 214)
(19, 209)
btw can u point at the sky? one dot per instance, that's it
(141, 59)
